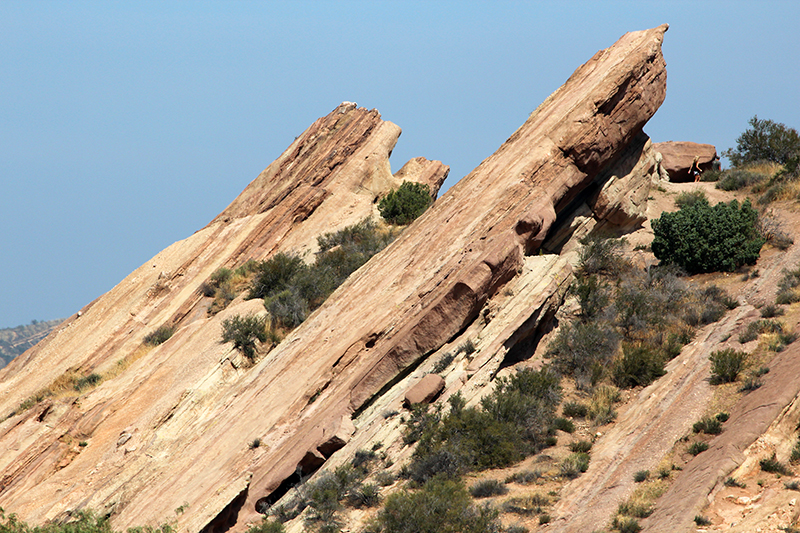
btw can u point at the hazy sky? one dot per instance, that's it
(126, 126)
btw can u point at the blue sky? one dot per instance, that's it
(126, 126)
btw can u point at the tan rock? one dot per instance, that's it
(678, 156)
(424, 391)
(196, 414)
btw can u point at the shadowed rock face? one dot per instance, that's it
(186, 414)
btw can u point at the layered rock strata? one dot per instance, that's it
(175, 428)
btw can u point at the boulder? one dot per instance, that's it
(678, 156)
(425, 390)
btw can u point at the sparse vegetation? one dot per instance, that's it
(440, 506)
(487, 488)
(773, 466)
(403, 205)
(708, 425)
(78, 522)
(511, 423)
(626, 525)
(574, 409)
(159, 336)
(726, 365)
(243, 332)
(641, 476)
(574, 465)
(444, 361)
(697, 448)
(687, 198)
(731, 482)
(581, 446)
(702, 520)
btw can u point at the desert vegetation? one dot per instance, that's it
(403, 205)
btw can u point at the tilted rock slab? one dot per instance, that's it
(403, 304)
(150, 403)
(678, 157)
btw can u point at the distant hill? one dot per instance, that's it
(14, 341)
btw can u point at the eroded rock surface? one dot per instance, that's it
(678, 157)
(191, 413)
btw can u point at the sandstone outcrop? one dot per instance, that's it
(329, 177)
(191, 414)
(425, 390)
(678, 157)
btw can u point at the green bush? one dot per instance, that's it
(403, 205)
(702, 520)
(511, 423)
(708, 425)
(774, 466)
(626, 525)
(287, 308)
(581, 446)
(443, 362)
(275, 274)
(441, 506)
(574, 465)
(243, 332)
(702, 238)
(159, 336)
(726, 365)
(563, 424)
(574, 409)
(488, 488)
(764, 140)
(697, 448)
(641, 476)
(639, 365)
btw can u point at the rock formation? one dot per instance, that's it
(678, 158)
(172, 427)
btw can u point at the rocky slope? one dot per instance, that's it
(170, 428)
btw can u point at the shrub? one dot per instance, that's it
(702, 520)
(440, 506)
(735, 179)
(403, 205)
(702, 238)
(243, 332)
(287, 308)
(754, 329)
(637, 510)
(467, 347)
(771, 311)
(774, 466)
(641, 476)
(511, 423)
(687, 198)
(574, 465)
(593, 296)
(601, 255)
(707, 425)
(750, 384)
(726, 365)
(764, 140)
(562, 424)
(443, 362)
(731, 482)
(574, 409)
(626, 525)
(544, 518)
(583, 350)
(275, 274)
(526, 506)
(639, 365)
(87, 382)
(792, 485)
(159, 336)
(601, 407)
(487, 488)
(723, 417)
(364, 496)
(787, 286)
(526, 477)
(697, 448)
(581, 446)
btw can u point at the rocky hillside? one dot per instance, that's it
(188, 430)
(14, 341)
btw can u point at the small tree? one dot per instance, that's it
(702, 238)
(765, 140)
(404, 205)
